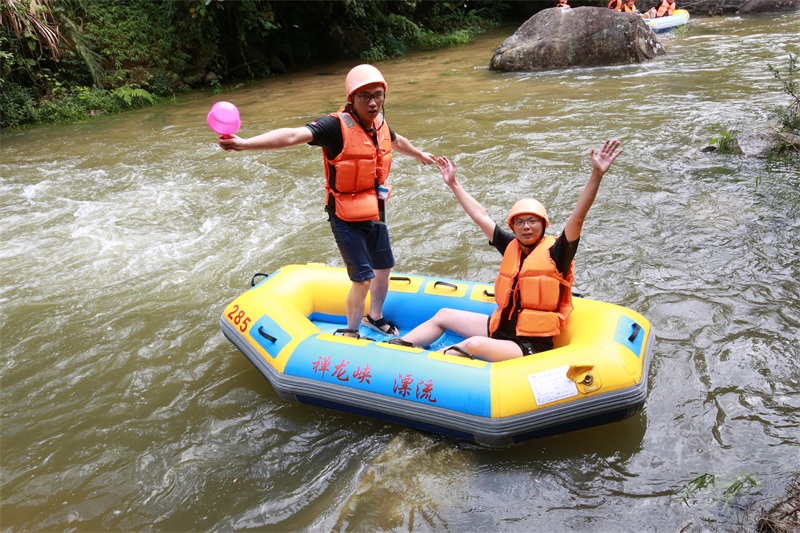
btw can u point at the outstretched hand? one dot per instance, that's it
(448, 170)
(602, 160)
(229, 142)
(427, 158)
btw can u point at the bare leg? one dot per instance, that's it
(464, 323)
(377, 293)
(355, 303)
(490, 349)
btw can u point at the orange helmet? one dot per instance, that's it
(360, 76)
(527, 206)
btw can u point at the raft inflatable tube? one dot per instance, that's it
(678, 18)
(286, 324)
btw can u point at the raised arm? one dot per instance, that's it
(473, 208)
(601, 162)
(404, 146)
(271, 140)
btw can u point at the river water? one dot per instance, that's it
(122, 240)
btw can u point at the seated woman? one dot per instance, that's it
(534, 288)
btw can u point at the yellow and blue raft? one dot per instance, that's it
(286, 326)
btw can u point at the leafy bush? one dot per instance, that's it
(17, 105)
(789, 117)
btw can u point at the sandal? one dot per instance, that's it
(380, 325)
(460, 351)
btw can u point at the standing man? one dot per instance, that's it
(357, 146)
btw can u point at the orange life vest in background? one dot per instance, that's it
(616, 5)
(352, 176)
(629, 9)
(665, 9)
(544, 294)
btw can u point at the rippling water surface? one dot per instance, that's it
(124, 408)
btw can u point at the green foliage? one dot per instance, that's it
(725, 141)
(789, 117)
(127, 33)
(133, 97)
(737, 488)
(76, 104)
(63, 60)
(699, 483)
(17, 105)
(430, 40)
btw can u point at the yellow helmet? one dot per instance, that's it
(528, 206)
(360, 76)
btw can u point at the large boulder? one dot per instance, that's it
(769, 6)
(581, 36)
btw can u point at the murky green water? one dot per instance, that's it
(124, 408)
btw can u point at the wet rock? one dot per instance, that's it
(582, 36)
(758, 143)
(769, 6)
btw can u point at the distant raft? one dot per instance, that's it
(286, 326)
(678, 18)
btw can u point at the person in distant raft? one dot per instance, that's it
(562, 3)
(629, 7)
(664, 9)
(533, 291)
(357, 146)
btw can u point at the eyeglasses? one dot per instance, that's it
(365, 98)
(521, 222)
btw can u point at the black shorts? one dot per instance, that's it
(528, 345)
(364, 247)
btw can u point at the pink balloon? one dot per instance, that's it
(224, 118)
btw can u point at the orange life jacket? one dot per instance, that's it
(545, 295)
(665, 9)
(352, 177)
(629, 9)
(616, 5)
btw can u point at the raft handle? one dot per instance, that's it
(266, 335)
(400, 278)
(488, 294)
(460, 351)
(450, 285)
(253, 279)
(636, 329)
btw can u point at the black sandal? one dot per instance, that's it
(460, 351)
(379, 324)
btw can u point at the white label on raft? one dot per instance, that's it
(552, 385)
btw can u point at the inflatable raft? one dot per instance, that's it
(286, 326)
(678, 18)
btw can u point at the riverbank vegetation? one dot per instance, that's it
(789, 117)
(63, 60)
(786, 136)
